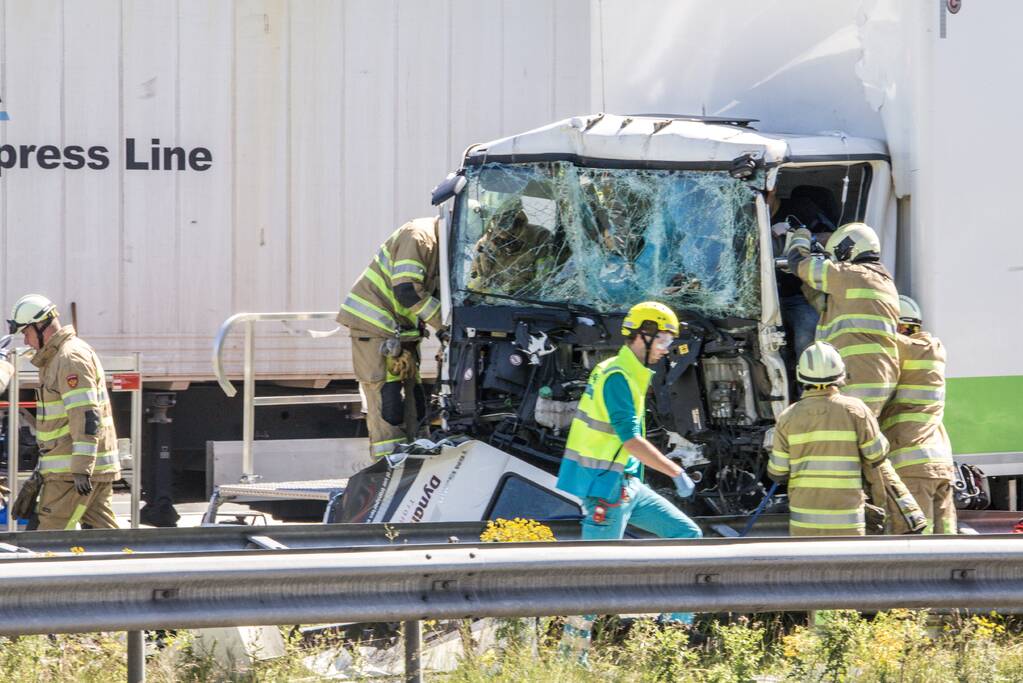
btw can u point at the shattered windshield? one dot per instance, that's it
(607, 238)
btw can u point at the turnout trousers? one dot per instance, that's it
(381, 401)
(61, 507)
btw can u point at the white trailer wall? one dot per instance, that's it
(328, 122)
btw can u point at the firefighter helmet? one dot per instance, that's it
(909, 311)
(30, 309)
(852, 241)
(820, 364)
(650, 311)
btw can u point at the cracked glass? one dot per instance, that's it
(607, 238)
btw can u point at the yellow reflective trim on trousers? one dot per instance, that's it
(76, 517)
(865, 350)
(53, 435)
(874, 294)
(923, 365)
(808, 525)
(822, 483)
(823, 435)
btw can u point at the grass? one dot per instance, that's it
(843, 647)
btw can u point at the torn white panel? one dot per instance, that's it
(890, 70)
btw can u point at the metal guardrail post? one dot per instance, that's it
(13, 444)
(136, 446)
(136, 639)
(249, 410)
(136, 657)
(413, 631)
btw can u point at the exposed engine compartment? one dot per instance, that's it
(517, 374)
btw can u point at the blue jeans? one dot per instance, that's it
(644, 509)
(800, 320)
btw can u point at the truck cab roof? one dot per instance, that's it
(669, 141)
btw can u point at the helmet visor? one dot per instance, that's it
(664, 340)
(13, 326)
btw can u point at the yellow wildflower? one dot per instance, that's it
(516, 530)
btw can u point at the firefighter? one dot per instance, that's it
(74, 423)
(822, 444)
(387, 313)
(513, 257)
(607, 450)
(912, 420)
(860, 319)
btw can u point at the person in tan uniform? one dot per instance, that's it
(74, 423)
(912, 420)
(387, 312)
(822, 445)
(860, 318)
(513, 257)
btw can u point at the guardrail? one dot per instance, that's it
(249, 399)
(402, 583)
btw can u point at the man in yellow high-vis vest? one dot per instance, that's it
(387, 312)
(607, 449)
(913, 422)
(74, 423)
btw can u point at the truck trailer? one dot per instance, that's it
(165, 166)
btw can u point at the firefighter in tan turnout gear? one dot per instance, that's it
(822, 445)
(387, 312)
(912, 420)
(860, 319)
(74, 424)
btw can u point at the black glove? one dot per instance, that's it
(82, 484)
(443, 335)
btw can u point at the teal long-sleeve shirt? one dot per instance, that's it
(622, 411)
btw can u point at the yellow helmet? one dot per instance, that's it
(653, 311)
(851, 241)
(909, 311)
(820, 364)
(30, 309)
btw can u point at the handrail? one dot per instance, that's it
(227, 325)
(249, 376)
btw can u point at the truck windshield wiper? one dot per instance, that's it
(566, 305)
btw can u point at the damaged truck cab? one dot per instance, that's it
(551, 235)
(557, 231)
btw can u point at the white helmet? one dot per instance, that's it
(29, 310)
(820, 364)
(909, 311)
(851, 241)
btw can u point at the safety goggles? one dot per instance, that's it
(663, 341)
(13, 326)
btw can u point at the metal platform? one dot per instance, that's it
(327, 490)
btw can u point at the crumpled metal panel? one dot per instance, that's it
(607, 238)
